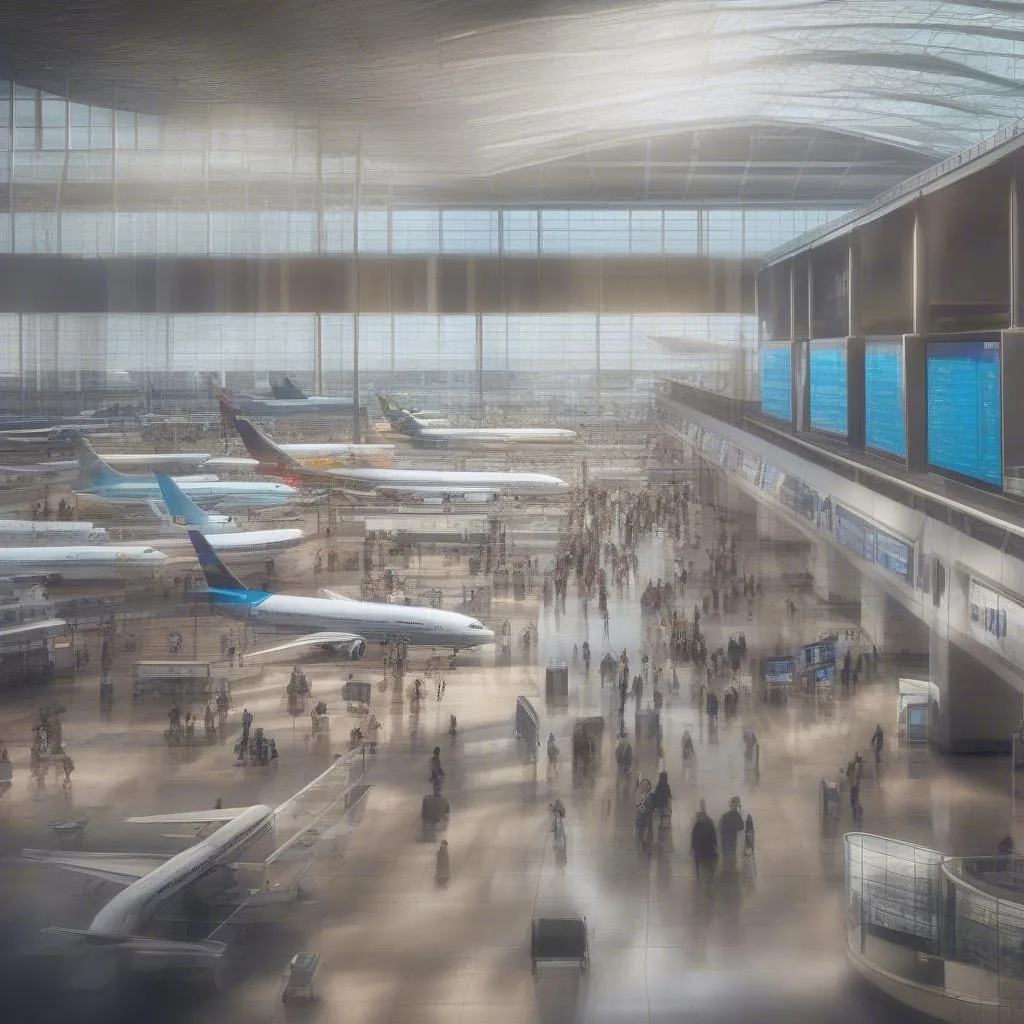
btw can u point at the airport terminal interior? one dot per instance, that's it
(511, 513)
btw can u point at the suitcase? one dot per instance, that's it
(434, 810)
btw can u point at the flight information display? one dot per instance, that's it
(884, 424)
(777, 382)
(965, 409)
(828, 388)
(876, 545)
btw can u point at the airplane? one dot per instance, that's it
(414, 483)
(214, 869)
(426, 417)
(318, 455)
(28, 531)
(100, 481)
(315, 405)
(335, 623)
(223, 532)
(82, 562)
(425, 435)
(285, 387)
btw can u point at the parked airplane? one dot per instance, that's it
(414, 483)
(81, 562)
(285, 387)
(316, 405)
(101, 481)
(425, 435)
(426, 418)
(335, 623)
(318, 455)
(223, 532)
(169, 462)
(216, 870)
(29, 531)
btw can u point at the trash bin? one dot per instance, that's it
(556, 682)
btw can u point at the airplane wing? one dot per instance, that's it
(311, 640)
(119, 868)
(335, 596)
(189, 817)
(144, 945)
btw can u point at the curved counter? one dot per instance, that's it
(943, 935)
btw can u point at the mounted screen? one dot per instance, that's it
(884, 402)
(828, 387)
(777, 382)
(965, 409)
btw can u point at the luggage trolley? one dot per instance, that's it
(300, 977)
(559, 940)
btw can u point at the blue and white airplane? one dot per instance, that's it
(223, 532)
(335, 623)
(100, 481)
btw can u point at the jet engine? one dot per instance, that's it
(351, 649)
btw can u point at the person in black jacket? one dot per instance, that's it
(704, 844)
(730, 827)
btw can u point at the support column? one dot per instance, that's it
(792, 300)
(479, 324)
(978, 710)
(1016, 250)
(920, 295)
(597, 360)
(810, 296)
(318, 355)
(853, 285)
(356, 200)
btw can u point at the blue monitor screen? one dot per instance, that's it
(828, 388)
(884, 426)
(777, 382)
(964, 409)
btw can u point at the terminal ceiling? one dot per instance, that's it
(722, 101)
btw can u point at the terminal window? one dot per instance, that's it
(777, 382)
(965, 409)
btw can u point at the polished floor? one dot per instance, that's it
(398, 949)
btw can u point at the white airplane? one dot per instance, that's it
(214, 869)
(223, 532)
(425, 434)
(22, 532)
(401, 483)
(78, 562)
(169, 462)
(101, 481)
(341, 625)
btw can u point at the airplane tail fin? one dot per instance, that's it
(94, 470)
(397, 417)
(284, 387)
(226, 403)
(183, 510)
(218, 575)
(259, 446)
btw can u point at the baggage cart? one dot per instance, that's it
(559, 940)
(300, 978)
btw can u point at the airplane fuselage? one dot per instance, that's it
(229, 494)
(420, 627)
(129, 911)
(441, 482)
(236, 546)
(82, 562)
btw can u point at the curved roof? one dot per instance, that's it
(485, 87)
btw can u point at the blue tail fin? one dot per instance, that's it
(95, 472)
(218, 575)
(183, 510)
